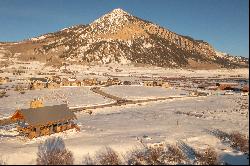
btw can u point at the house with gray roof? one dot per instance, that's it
(35, 122)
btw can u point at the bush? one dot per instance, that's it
(87, 160)
(2, 162)
(174, 154)
(136, 157)
(146, 156)
(208, 157)
(223, 136)
(236, 140)
(53, 152)
(156, 156)
(239, 142)
(107, 156)
(18, 88)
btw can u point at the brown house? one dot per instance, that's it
(113, 81)
(71, 82)
(90, 82)
(35, 122)
(53, 85)
(38, 83)
(157, 83)
(226, 86)
(4, 80)
(245, 88)
(56, 79)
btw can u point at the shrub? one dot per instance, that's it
(220, 134)
(108, 156)
(146, 156)
(236, 140)
(18, 88)
(239, 142)
(2, 162)
(174, 154)
(87, 160)
(156, 156)
(136, 157)
(208, 157)
(53, 152)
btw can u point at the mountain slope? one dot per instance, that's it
(119, 37)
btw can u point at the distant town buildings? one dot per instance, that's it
(160, 83)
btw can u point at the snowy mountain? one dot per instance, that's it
(119, 37)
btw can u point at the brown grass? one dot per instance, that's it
(236, 139)
(2, 162)
(153, 156)
(87, 160)
(107, 156)
(207, 157)
(158, 155)
(239, 141)
(174, 154)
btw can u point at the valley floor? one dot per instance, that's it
(185, 119)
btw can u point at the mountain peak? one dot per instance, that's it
(115, 15)
(119, 11)
(119, 37)
(111, 21)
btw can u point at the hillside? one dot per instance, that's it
(119, 37)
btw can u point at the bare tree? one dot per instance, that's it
(108, 156)
(87, 160)
(207, 157)
(54, 152)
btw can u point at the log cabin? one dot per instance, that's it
(40, 121)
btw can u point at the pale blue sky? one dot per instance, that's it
(222, 23)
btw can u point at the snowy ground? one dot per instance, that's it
(143, 92)
(119, 128)
(32, 68)
(76, 97)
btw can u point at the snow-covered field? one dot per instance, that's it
(187, 119)
(119, 127)
(75, 96)
(143, 92)
(122, 70)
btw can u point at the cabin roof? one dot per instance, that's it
(47, 114)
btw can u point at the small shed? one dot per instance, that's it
(35, 122)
